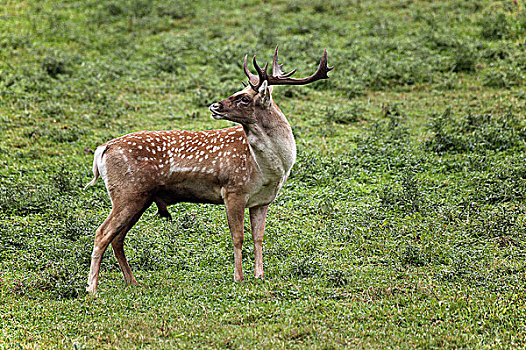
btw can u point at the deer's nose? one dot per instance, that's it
(217, 106)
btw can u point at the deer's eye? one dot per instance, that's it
(245, 99)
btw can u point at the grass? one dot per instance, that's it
(401, 226)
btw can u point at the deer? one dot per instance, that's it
(242, 166)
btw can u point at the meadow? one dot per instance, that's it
(402, 224)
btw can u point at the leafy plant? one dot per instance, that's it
(64, 282)
(494, 25)
(55, 64)
(306, 267)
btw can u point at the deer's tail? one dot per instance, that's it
(97, 159)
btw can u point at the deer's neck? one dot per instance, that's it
(272, 144)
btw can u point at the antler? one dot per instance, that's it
(279, 77)
(253, 79)
(276, 68)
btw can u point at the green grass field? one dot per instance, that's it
(402, 224)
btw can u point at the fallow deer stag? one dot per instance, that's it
(241, 167)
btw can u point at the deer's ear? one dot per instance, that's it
(265, 91)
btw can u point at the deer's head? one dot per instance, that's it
(252, 103)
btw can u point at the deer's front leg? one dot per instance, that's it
(235, 212)
(257, 223)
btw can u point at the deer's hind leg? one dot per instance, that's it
(118, 249)
(123, 216)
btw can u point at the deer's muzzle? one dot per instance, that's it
(216, 110)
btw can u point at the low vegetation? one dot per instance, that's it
(401, 226)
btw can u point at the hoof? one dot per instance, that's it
(239, 279)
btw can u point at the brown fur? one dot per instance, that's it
(219, 166)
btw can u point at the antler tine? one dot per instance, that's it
(252, 78)
(285, 75)
(277, 69)
(265, 68)
(262, 74)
